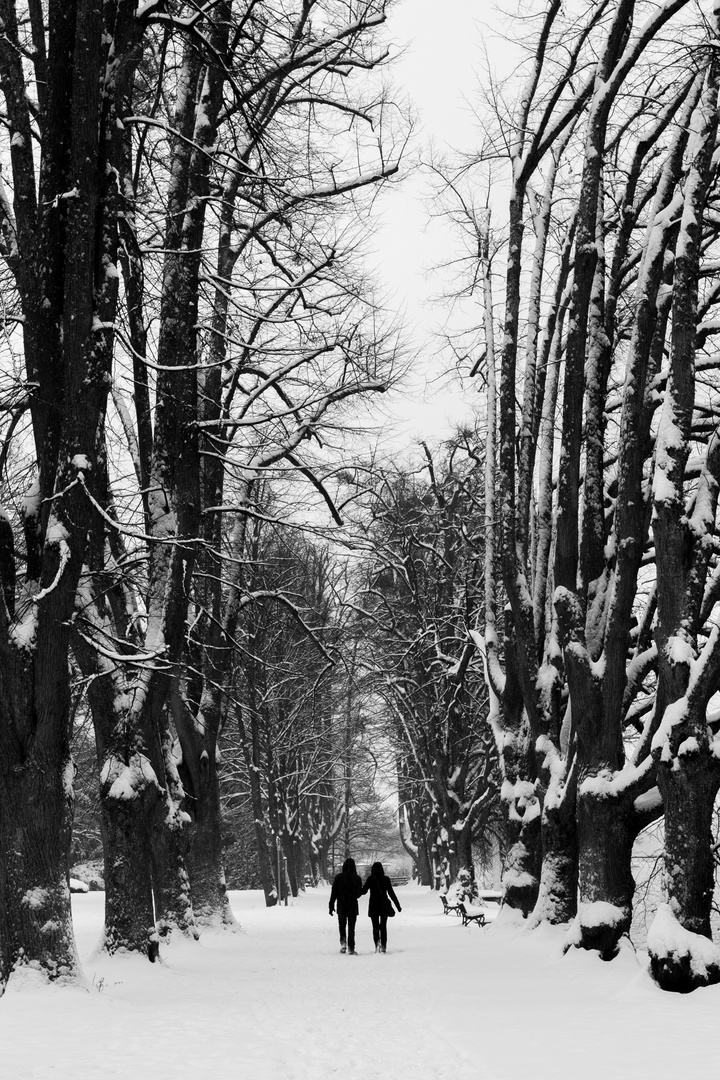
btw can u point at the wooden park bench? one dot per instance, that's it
(449, 909)
(473, 915)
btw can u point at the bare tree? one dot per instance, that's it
(59, 228)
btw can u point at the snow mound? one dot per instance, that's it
(680, 959)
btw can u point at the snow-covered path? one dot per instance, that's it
(279, 1001)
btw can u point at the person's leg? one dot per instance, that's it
(342, 919)
(383, 932)
(376, 929)
(351, 932)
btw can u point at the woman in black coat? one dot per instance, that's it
(381, 892)
(346, 888)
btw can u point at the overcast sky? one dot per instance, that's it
(439, 71)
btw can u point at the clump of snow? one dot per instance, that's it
(688, 746)
(600, 913)
(679, 650)
(523, 804)
(31, 502)
(606, 783)
(674, 714)
(518, 879)
(650, 800)
(125, 782)
(663, 489)
(593, 916)
(35, 899)
(552, 760)
(667, 938)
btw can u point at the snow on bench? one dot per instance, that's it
(448, 909)
(471, 914)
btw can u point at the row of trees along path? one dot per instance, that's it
(602, 483)
(178, 237)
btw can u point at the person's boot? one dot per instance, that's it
(378, 947)
(343, 947)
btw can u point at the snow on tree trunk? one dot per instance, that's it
(129, 910)
(680, 960)
(605, 836)
(197, 788)
(557, 895)
(688, 665)
(171, 881)
(169, 851)
(687, 959)
(521, 872)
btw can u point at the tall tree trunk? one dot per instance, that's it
(129, 910)
(557, 894)
(205, 859)
(684, 959)
(35, 825)
(688, 672)
(64, 241)
(169, 850)
(251, 753)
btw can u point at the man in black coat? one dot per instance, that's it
(346, 888)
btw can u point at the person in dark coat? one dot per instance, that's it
(346, 888)
(381, 892)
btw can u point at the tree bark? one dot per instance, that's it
(129, 910)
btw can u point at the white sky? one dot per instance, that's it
(439, 71)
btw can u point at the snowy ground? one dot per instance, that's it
(277, 1000)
